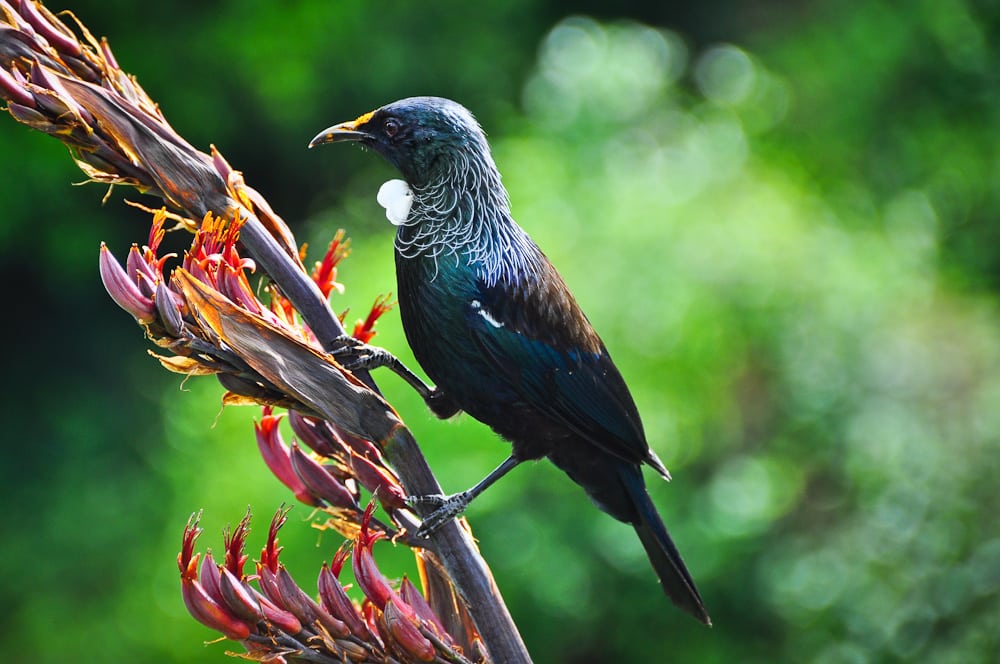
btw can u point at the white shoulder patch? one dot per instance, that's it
(395, 196)
(478, 308)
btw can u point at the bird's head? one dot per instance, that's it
(424, 137)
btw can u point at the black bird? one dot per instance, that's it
(495, 327)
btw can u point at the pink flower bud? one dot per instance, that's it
(166, 306)
(123, 290)
(234, 286)
(10, 89)
(55, 37)
(140, 272)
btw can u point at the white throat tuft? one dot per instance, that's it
(395, 196)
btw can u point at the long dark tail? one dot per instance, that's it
(674, 577)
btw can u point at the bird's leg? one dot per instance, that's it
(354, 355)
(449, 507)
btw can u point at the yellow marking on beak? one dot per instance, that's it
(345, 131)
(360, 121)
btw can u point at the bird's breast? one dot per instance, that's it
(438, 305)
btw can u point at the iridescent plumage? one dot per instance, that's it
(495, 327)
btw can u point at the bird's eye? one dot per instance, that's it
(391, 127)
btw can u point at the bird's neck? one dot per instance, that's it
(462, 217)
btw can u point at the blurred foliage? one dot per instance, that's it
(789, 246)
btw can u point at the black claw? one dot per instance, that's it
(432, 523)
(427, 529)
(355, 355)
(344, 344)
(447, 508)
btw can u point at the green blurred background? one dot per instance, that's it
(781, 217)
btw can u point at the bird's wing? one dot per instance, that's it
(542, 345)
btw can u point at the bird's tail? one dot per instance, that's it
(674, 577)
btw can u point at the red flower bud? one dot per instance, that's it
(187, 559)
(320, 482)
(406, 634)
(372, 582)
(359, 445)
(277, 457)
(339, 558)
(234, 286)
(210, 577)
(277, 616)
(418, 602)
(156, 235)
(235, 542)
(211, 614)
(292, 597)
(365, 330)
(269, 554)
(198, 271)
(380, 481)
(202, 606)
(268, 580)
(306, 608)
(324, 272)
(370, 613)
(280, 594)
(316, 434)
(238, 598)
(335, 600)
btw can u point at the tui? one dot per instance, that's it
(494, 325)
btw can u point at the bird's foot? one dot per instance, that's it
(355, 355)
(446, 508)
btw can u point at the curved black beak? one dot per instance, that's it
(345, 131)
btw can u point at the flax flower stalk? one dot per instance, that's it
(67, 83)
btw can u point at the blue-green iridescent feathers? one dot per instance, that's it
(495, 327)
